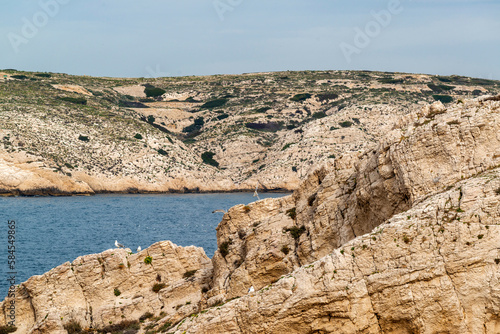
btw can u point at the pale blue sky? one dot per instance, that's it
(187, 37)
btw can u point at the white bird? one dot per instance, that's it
(255, 193)
(251, 289)
(118, 245)
(139, 249)
(219, 211)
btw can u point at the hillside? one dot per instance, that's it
(400, 237)
(63, 134)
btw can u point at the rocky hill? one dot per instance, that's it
(62, 134)
(400, 237)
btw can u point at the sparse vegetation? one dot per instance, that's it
(443, 98)
(138, 136)
(148, 260)
(295, 231)
(285, 250)
(12, 329)
(127, 326)
(154, 91)
(214, 104)
(72, 327)
(83, 138)
(75, 100)
(301, 97)
(117, 292)
(190, 273)
(346, 124)
(208, 158)
(158, 286)
(291, 213)
(224, 248)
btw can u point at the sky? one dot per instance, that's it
(152, 38)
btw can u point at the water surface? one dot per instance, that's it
(53, 230)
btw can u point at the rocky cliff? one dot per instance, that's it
(62, 134)
(402, 237)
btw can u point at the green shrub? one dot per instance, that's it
(266, 127)
(291, 213)
(43, 75)
(148, 260)
(75, 100)
(12, 329)
(190, 273)
(443, 98)
(83, 138)
(223, 116)
(19, 77)
(301, 97)
(154, 91)
(196, 126)
(319, 114)
(162, 151)
(262, 110)
(145, 316)
(390, 80)
(285, 249)
(158, 286)
(439, 88)
(128, 326)
(287, 146)
(214, 103)
(346, 124)
(117, 292)
(151, 119)
(208, 158)
(295, 231)
(138, 136)
(327, 96)
(224, 248)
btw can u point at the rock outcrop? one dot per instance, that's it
(99, 289)
(400, 238)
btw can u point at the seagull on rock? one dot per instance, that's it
(255, 193)
(223, 211)
(118, 245)
(251, 289)
(139, 249)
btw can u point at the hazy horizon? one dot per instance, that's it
(167, 38)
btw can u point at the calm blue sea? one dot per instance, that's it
(53, 230)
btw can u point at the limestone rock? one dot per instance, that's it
(113, 286)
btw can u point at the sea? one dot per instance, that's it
(49, 231)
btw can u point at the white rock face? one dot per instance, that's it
(97, 289)
(401, 238)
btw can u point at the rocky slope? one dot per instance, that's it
(62, 134)
(402, 237)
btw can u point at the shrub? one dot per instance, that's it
(246, 209)
(223, 116)
(296, 232)
(287, 146)
(214, 103)
(190, 273)
(71, 327)
(154, 91)
(267, 127)
(443, 98)
(301, 97)
(294, 169)
(75, 100)
(83, 138)
(158, 286)
(19, 77)
(439, 88)
(145, 316)
(224, 248)
(131, 104)
(12, 329)
(196, 126)
(162, 151)
(138, 136)
(262, 110)
(497, 191)
(43, 75)
(285, 249)
(346, 124)
(208, 158)
(291, 213)
(117, 292)
(327, 96)
(148, 260)
(151, 119)
(130, 326)
(318, 115)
